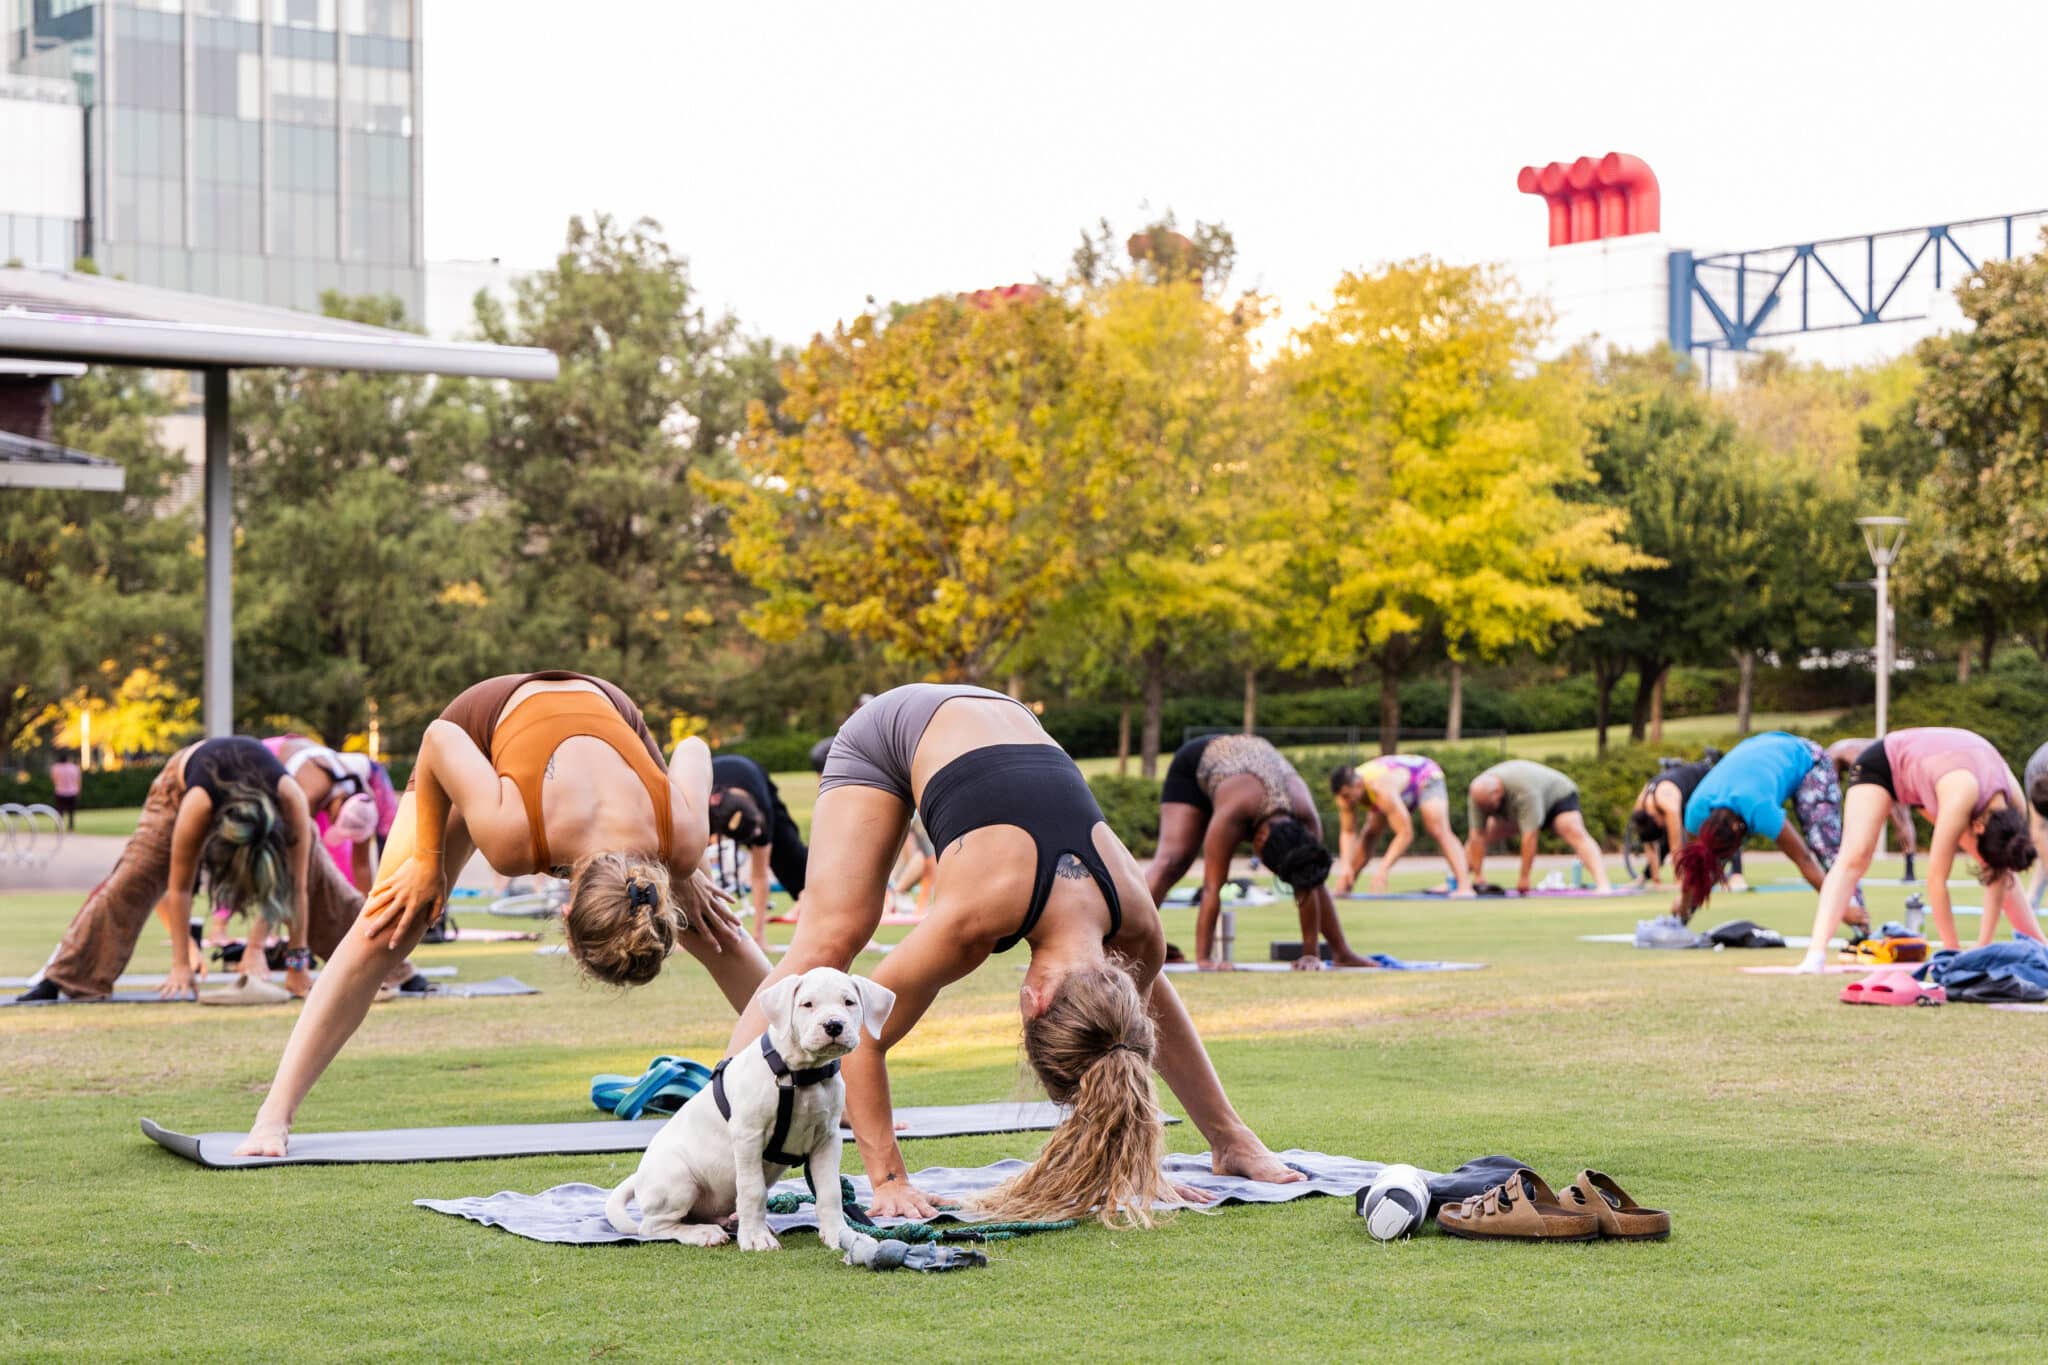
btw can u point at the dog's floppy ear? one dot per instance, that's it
(777, 999)
(875, 1003)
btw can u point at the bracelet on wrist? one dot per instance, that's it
(298, 959)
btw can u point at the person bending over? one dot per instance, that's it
(1745, 794)
(551, 772)
(224, 809)
(1224, 791)
(1842, 753)
(1394, 791)
(1025, 858)
(1520, 800)
(1658, 817)
(747, 810)
(1963, 786)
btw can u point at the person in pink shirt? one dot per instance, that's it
(1969, 794)
(66, 780)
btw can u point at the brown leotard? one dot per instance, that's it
(528, 738)
(521, 747)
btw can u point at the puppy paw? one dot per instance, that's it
(701, 1235)
(758, 1239)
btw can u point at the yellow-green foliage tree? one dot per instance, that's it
(1441, 461)
(930, 481)
(1184, 546)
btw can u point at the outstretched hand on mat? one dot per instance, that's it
(182, 981)
(901, 1199)
(414, 892)
(707, 906)
(1188, 1194)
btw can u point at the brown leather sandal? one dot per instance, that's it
(1519, 1209)
(1621, 1217)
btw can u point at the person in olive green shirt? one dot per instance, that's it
(1520, 798)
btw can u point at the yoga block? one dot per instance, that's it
(1288, 950)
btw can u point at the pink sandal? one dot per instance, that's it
(1892, 988)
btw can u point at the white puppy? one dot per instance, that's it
(703, 1166)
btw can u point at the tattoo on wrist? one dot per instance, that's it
(888, 1176)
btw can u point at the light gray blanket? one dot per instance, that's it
(574, 1214)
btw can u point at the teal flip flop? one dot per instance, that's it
(663, 1088)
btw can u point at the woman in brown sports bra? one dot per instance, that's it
(540, 772)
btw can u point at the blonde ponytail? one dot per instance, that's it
(1092, 1050)
(623, 918)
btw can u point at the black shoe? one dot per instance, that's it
(416, 984)
(45, 989)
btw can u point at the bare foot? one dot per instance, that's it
(1252, 1161)
(1464, 893)
(265, 1139)
(1351, 959)
(1215, 964)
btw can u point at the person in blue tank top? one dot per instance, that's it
(1744, 794)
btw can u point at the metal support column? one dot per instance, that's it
(217, 687)
(1679, 302)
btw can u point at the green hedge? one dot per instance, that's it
(122, 788)
(102, 789)
(788, 753)
(2009, 709)
(1502, 705)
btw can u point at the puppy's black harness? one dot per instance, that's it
(786, 1083)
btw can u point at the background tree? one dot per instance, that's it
(370, 573)
(1980, 543)
(1442, 454)
(935, 481)
(1186, 539)
(95, 585)
(1659, 446)
(617, 564)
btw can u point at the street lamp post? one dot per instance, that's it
(1883, 536)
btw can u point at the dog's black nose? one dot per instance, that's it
(834, 1027)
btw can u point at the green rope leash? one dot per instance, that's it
(915, 1232)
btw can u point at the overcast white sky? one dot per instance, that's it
(807, 155)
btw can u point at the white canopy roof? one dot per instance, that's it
(61, 315)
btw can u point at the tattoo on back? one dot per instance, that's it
(1070, 867)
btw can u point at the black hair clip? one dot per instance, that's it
(640, 895)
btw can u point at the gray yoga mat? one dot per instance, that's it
(1183, 899)
(1288, 967)
(442, 990)
(574, 1214)
(497, 985)
(137, 980)
(481, 1141)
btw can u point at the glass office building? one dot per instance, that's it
(265, 150)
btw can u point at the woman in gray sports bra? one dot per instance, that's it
(1024, 856)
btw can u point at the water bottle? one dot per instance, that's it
(1916, 913)
(1226, 935)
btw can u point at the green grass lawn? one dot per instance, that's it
(1844, 1182)
(117, 820)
